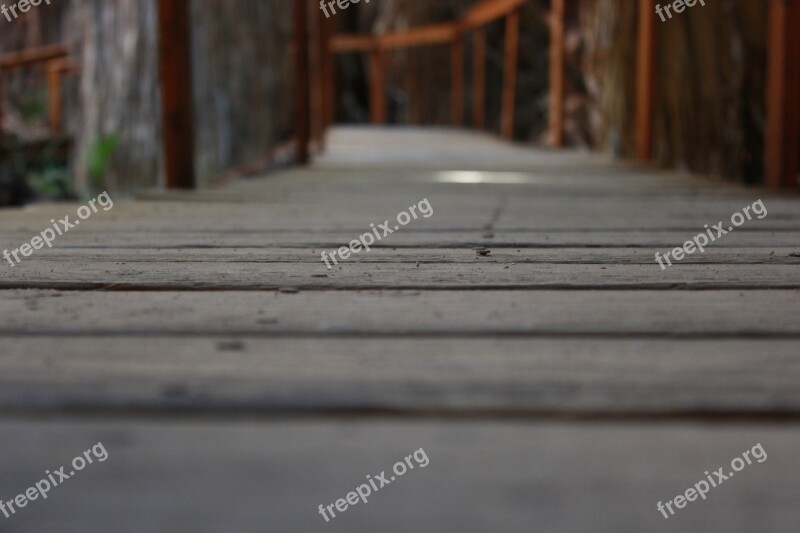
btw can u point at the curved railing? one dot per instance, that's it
(314, 88)
(453, 34)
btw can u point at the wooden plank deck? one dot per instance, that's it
(217, 302)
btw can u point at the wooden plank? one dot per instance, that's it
(378, 110)
(302, 89)
(782, 143)
(505, 256)
(474, 276)
(421, 36)
(675, 209)
(489, 11)
(458, 80)
(510, 75)
(514, 224)
(592, 376)
(557, 74)
(216, 473)
(450, 222)
(645, 79)
(176, 92)
(568, 314)
(317, 241)
(479, 79)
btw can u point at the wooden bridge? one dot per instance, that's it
(316, 46)
(523, 335)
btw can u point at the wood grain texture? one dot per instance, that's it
(423, 255)
(571, 475)
(590, 377)
(361, 312)
(218, 300)
(392, 276)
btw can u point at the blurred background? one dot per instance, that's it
(709, 118)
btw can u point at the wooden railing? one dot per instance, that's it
(453, 34)
(55, 59)
(314, 69)
(782, 135)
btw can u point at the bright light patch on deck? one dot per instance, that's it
(472, 176)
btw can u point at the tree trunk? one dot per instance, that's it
(242, 79)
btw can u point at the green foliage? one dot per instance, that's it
(54, 182)
(100, 153)
(43, 166)
(33, 106)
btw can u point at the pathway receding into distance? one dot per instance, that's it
(523, 335)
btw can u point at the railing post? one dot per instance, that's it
(317, 80)
(55, 71)
(510, 75)
(782, 142)
(378, 87)
(458, 78)
(328, 74)
(557, 59)
(2, 99)
(176, 92)
(645, 79)
(479, 79)
(301, 89)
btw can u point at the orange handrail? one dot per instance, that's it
(453, 34)
(422, 36)
(489, 11)
(57, 63)
(32, 56)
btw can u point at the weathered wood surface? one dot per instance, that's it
(139, 236)
(241, 476)
(570, 313)
(440, 255)
(592, 377)
(356, 276)
(617, 313)
(216, 304)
